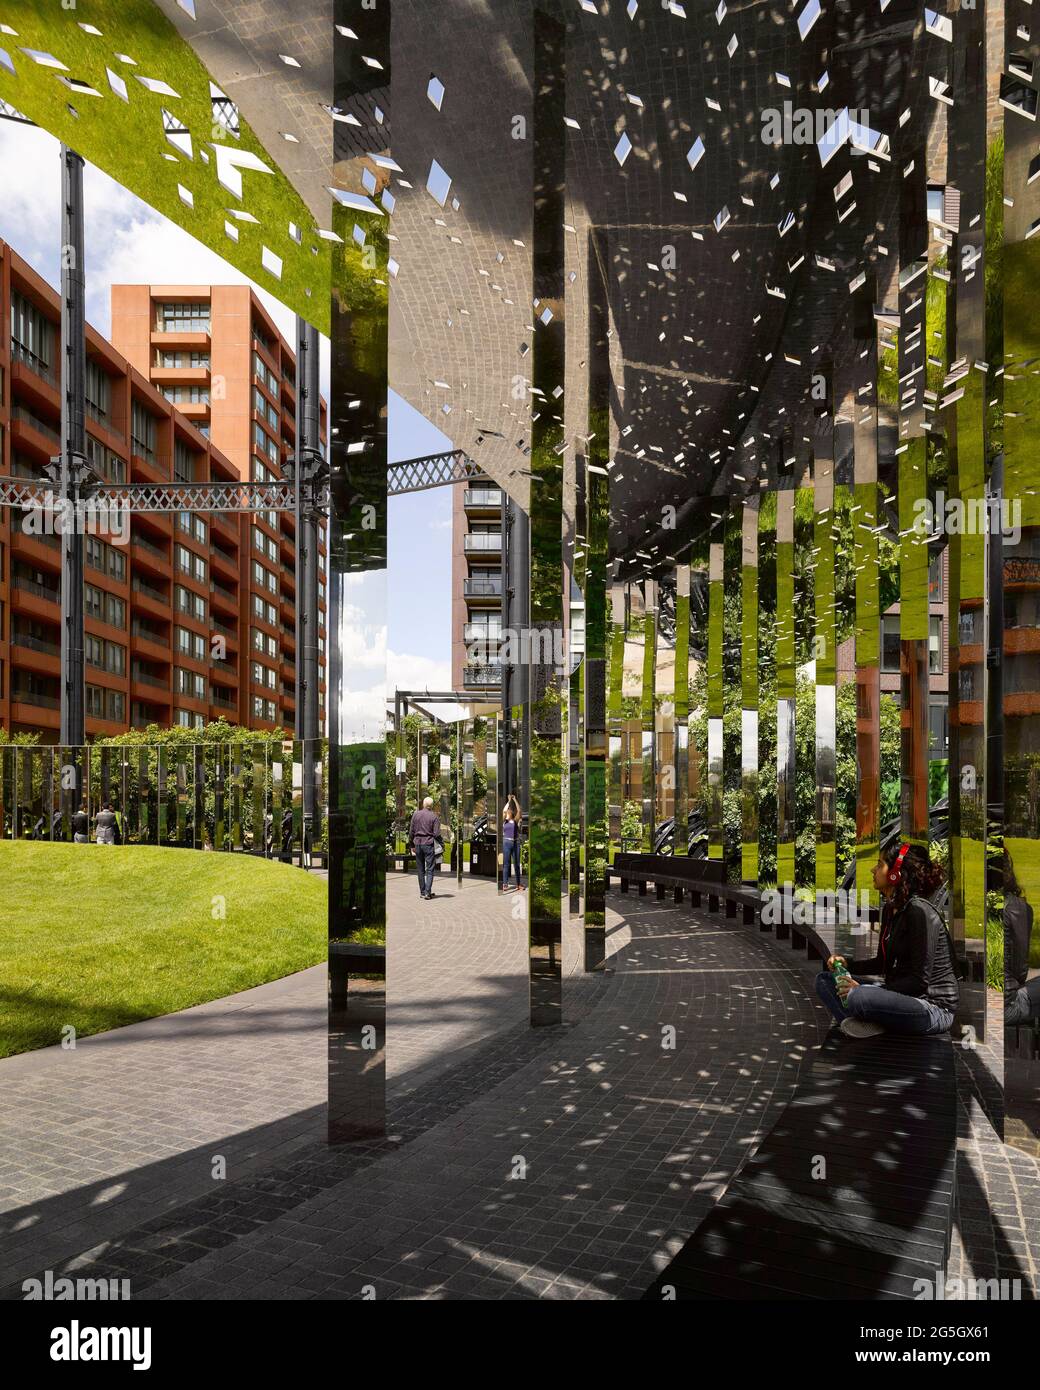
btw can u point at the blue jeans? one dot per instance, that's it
(1024, 1005)
(510, 855)
(897, 1013)
(424, 857)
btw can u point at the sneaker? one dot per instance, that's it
(860, 1028)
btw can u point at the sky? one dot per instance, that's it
(127, 242)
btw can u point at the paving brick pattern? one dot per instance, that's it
(558, 1163)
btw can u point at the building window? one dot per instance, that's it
(935, 643)
(183, 462)
(32, 335)
(165, 358)
(186, 395)
(98, 392)
(890, 642)
(183, 318)
(142, 431)
(935, 580)
(106, 558)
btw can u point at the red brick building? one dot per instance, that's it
(191, 617)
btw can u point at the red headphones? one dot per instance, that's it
(895, 873)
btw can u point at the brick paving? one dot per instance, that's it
(559, 1163)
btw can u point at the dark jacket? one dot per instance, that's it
(425, 828)
(1018, 925)
(914, 955)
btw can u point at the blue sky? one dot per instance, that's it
(128, 242)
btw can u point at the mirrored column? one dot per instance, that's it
(749, 643)
(785, 689)
(545, 771)
(357, 575)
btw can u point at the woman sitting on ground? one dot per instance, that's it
(917, 991)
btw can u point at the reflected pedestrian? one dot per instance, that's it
(511, 818)
(423, 835)
(105, 825)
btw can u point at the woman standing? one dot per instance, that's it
(917, 991)
(511, 842)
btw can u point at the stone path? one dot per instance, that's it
(561, 1163)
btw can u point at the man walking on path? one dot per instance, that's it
(423, 834)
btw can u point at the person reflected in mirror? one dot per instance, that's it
(1021, 994)
(511, 824)
(105, 825)
(910, 985)
(80, 827)
(423, 834)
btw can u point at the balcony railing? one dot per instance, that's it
(145, 679)
(36, 644)
(29, 697)
(151, 549)
(40, 590)
(482, 541)
(482, 497)
(148, 634)
(19, 412)
(485, 675)
(140, 587)
(482, 588)
(34, 363)
(481, 632)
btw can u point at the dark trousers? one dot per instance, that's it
(424, 857)
(510, 855)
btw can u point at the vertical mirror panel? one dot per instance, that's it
(785, 690)
(749, 642)
(716, 709)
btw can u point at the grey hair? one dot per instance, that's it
(427, 802)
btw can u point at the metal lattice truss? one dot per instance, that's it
(159, 497)
(432, 470)
(411, 475)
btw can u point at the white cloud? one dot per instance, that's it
(408, 671)
(125, 240)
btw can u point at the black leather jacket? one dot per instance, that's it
(914, 955)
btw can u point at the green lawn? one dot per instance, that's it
(100, 937)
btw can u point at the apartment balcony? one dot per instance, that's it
(34, 600)
(43, 552)
(227, 526)
(222, 597)
(181, 338)
(149, 642)
(482, 676)
(150, 599)
(105, 424)
(33, 433)
(484, 503)
(223, 703)
(36, 654)
(150, 556)
(483, 546)
(139, 677)
(480, 589)
(38, 711)
(225, 671)
(230, 634)
(33, 380)
(221, 560)
(179, 376)
(485, 633)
